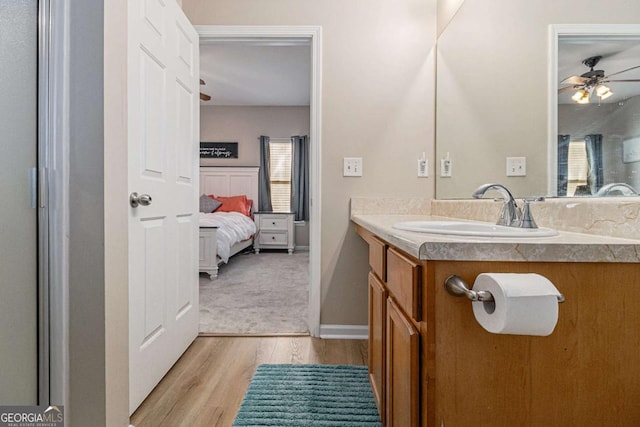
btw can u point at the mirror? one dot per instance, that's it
(497, 95)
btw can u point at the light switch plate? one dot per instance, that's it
(423, 168)
(516, 166)
(352, 166)
(445, 168)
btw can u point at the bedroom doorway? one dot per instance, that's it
(307, 252)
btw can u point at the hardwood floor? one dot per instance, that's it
(206, 386)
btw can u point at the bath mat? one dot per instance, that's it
(309, 395)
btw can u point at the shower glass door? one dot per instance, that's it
(18, 204)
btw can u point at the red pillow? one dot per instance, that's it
(234, 204)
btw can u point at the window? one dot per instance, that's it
(280, 164)
(578, 167)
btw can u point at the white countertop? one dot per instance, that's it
(565, 247)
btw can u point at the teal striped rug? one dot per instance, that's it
(309, 395)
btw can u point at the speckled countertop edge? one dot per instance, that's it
(566, 247)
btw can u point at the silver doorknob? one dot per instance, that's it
(143, 200)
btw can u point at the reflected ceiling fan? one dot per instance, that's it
(592, 81)
(204, 96)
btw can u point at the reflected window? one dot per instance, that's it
(578, 169)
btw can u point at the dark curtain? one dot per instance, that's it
(300, 179)
(264, 184)
(595, 175)
(563, 164)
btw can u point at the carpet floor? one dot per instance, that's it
(309, 396)
(265, 293)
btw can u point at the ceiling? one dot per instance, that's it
(618, 53)
(258, 73)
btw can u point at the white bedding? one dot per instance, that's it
(233, 227)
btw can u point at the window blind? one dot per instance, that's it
(578, 166)
(280, 162)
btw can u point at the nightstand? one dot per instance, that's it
(274, 231)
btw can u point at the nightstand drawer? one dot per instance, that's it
(272, 238)
(273, 222)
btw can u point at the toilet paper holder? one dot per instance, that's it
(456, 286)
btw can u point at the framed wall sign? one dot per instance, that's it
(218, 150)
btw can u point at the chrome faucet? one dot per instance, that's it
(510, 214)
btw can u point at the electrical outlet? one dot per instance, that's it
(352, 166)
(516, 166)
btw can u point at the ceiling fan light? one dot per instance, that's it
(580, 95)
(606, 95)
(603, 91)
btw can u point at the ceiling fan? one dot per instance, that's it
(204, 96)
(592, 81)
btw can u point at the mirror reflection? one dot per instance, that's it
(598, 110)
(497, 99)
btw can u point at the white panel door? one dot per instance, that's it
(163, 102)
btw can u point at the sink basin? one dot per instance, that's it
(480, 229)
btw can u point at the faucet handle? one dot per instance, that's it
(527, 220)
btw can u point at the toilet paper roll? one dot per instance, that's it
(524, 304)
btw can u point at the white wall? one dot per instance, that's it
(377, 103)
(86, 269)
(116, 219)
(244, 125)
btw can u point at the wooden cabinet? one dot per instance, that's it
(431, 364)
(394, 341)
(403, 374)
(377, 341)
(274, 231)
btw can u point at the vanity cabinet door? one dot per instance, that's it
(377, 344)
(378, 257)
(403, 282)
(403, 369)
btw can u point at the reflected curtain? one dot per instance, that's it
(563, 164)
(300, 179)
(595, 177)
(264, 182)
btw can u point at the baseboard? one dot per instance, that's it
(344, 332)
(302, 248)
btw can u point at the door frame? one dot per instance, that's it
(314, 35)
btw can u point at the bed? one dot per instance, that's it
(224, 234)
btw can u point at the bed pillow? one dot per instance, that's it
(208, 204)
(234, 204)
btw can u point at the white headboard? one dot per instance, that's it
(230, 181)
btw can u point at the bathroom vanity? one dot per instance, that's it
(432, 364)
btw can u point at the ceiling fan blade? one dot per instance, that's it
(628, 81)
(574, 80)
(204, 97)
(623, 71)
(565, 89)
